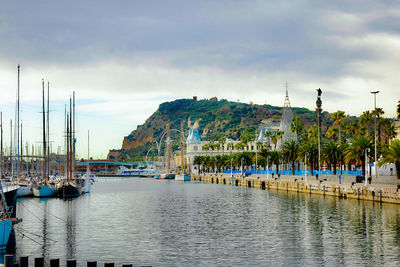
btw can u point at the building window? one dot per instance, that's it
(252, 147)
(195, 148)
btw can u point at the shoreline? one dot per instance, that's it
(384, 190)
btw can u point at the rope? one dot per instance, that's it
(46, 211)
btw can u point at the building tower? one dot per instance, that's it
(287, 117)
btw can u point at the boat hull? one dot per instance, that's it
(70, 190)
(44, 191)
(25, 191)
(10, 194)
(5, 231)
(182, 177)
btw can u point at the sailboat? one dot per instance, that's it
(70, 187)
(182, 176)
(44, 188)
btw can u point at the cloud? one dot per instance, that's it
(124, 58)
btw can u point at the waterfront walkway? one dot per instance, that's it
(383, 189)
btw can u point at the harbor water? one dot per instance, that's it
(170, 223)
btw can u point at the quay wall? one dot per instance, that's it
(375, 193)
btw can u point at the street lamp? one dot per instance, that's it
(231, 168)
(305, 166)
(376, 152)
(367, 150)
(267, 168)
(241, 166)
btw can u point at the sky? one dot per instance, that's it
(125, 57)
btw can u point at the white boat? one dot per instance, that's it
(182, 177)
(25, 190)
(140, 172)
(92, 177)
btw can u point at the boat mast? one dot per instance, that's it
(21, 165)
(44, 136)
(11, 154)
(182, 148)
(88, 158)
(48, 127)
(17, 125)
(65, 141)
(70, 139)
(73, 131)
(1, 145)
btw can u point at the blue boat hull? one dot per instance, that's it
(44, 191)
(5, 231)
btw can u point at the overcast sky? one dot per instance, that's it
(124, 58)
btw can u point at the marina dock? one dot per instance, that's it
(378, 192)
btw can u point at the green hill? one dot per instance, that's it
(220, 119)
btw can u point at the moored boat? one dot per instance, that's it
(182, 177)
(44, 190)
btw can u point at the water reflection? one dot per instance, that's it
(163, 223)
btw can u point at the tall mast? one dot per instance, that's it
(1, 145)
(70, 141)
(17, 124)
(88, 157)
(73, 131)
(11, 152)
(44, 136)
(48, 127)
(21, 167)
(65, 141)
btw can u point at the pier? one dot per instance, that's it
(378, 192)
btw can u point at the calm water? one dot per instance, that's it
(168, 223)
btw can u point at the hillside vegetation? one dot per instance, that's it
(220, 119)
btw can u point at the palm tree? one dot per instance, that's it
(275, 139)
(268, 135)
(275, 156)
(366, 120)
(330, 153)
(337, 118)
(392, 155)
(388, 130)
(297, 127)
(332, 133)
(311, 148)
(378, 112)
(313, 133)
(356, 151)
(398, 111)
(246, 137)
(290, 150)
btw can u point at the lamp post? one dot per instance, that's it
(267, 168)
(367, 150)
(305, 166)
(231, 168)
(376, 152)
(241, 166)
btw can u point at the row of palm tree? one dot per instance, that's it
(343, 144)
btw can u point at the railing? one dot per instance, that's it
(289, 172)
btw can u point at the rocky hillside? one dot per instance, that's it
(220, 119)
